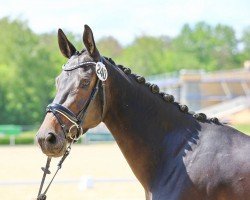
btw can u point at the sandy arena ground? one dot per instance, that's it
(99, 161)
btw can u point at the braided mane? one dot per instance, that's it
(166, 97)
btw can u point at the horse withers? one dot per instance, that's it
(174, 153)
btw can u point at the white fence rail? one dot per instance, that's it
(85, 182)
(227, 108)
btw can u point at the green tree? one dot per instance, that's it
(246, 44)
(246, 39)
(28, 66)
(146, 55)
(213, 47)
(110, 47)
(17, 42)
(224, 47)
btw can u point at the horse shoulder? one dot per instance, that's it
(220, 164)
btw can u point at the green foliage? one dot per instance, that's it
(145, 55)
(245, 128)
(213, 48)
(109, 47)
(246, 39)
(30, 62)
(245, 54)
(20, 139)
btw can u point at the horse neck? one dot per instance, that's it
(139, 121)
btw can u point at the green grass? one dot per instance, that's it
(23, 138)
(245, 128)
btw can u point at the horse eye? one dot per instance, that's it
(85, 83)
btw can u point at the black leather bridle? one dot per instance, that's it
(76, 120)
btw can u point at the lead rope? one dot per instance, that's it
(42, 196)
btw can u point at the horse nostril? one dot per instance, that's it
(51, 138)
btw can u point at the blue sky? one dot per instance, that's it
(126, 19)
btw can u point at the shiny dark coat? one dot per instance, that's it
(174, 155)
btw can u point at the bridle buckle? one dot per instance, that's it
(75, 136)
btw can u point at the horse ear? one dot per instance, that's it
(89, 42)
(66, 47)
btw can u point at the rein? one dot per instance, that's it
(76, 120)
(42, 196)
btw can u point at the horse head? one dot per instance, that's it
(77, 105)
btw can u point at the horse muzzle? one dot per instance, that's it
(51, 144)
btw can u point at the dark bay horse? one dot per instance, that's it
(175, 154)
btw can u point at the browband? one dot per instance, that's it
(65, 67)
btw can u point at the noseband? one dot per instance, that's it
(76, 120)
